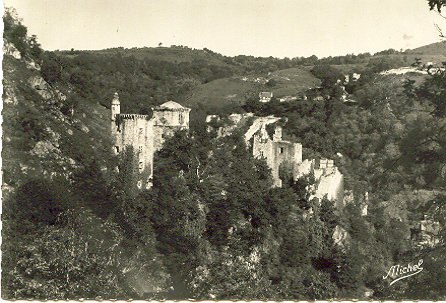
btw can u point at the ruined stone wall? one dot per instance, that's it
(287, 152)
(177, 117)
(303, 168)
(331, 185)
(134, 140)
(328, 179)
(276, 153)
(166, 122)
(264, 148)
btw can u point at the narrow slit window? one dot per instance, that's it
(149, 183)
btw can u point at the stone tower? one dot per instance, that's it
(167, 119)
(136, 138)
(115, 107)
(115, 111)
(275, 151)
(272, 147)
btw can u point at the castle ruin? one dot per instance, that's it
(136, 138)
(272, 147)
(264, 136)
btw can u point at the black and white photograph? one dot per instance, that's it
(223, 150)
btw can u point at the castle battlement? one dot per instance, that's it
(184, 109)
(132, 116)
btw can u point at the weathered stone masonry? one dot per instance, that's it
(329, 181)
(138, 137)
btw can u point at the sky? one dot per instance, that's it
(278, 28)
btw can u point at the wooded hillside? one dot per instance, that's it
(212, 227)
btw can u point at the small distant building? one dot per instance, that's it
(318, 98)
(351, 78)
(212, 122)
(260, 80)
(288, 98)
(344, 95)
(350, 102)
(265, 96)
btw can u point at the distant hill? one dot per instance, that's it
(236, 90)
(175, 54)
(435, 53)
(152, 75)
(221, 92)
(292, 81)
(438, 48)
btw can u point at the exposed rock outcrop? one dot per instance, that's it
(39, 140)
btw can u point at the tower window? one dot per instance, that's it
(261, 153)
(140, 148)
(149, 183)
(281, 150)
(141, 166)
(141, 130)
(181, 118)
(117, 149)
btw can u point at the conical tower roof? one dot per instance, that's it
(115, 100)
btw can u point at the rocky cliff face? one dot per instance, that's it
(47, 140)
(40, 139)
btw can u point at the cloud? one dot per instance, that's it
(406, 37)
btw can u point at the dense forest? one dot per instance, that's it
(211, 227)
